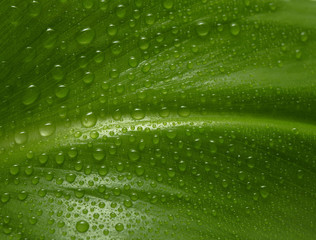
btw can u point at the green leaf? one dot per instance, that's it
(157, 119)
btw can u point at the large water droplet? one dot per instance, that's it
(89, 120)
(202, 29)
(47, 129)
(31, 94)
(86, 36)
(21, 137)
(82, 226)
(234, 29)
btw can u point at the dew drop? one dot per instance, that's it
(47, 129)
(202, 29)
(264, 192)
(88, 78)
(138, 114)
(61, 91)
(86, 36)
(234, 29)
(89, 120)
(31, 94)
(82, 226)
(119, 227)
(184, 111)
(21, 137)
(167, 4)
(133, 155)
(98, 154)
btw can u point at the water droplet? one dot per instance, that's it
(304, 36)
(116, 48)
(88, 78)
(61, 91)
(82, 226)
(31, 94)
(50, 38)
(264, 192)
(119, 227)
(133, 155)
(143, 43)
(47, 129)
(112, 30)
(150, 19)
(138, 114)
(86, 36)
(34, 9)
(58, 73)
(234, 29)
(89, 120)
(184, 111)
(167, 4)
(132, 61)
(121, 11)
(21, 137)
(202, 29)
(14, 170)
(98, 154)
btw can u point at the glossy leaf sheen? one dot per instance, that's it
(158, 119)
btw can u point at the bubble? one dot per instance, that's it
(119, 227)
(202, 29)
(234, 29)
(82, 226)
(31, 94)
(47, 129)
(86, 36)
(89, 120)
(21, 137)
